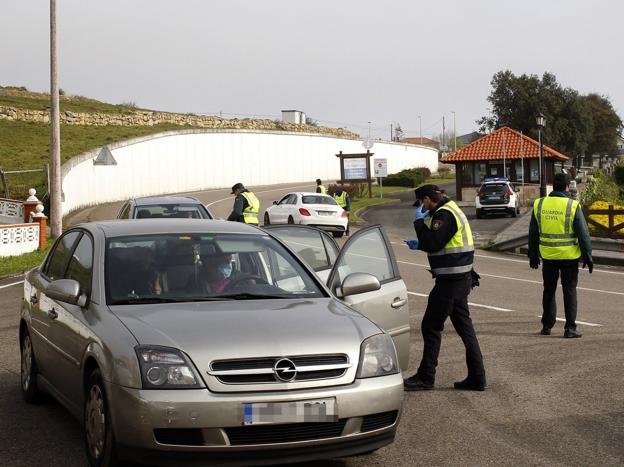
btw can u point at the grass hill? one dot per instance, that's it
(88, 124)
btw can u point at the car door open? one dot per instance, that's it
(368, 251)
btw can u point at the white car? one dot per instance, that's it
(313, 209)
(497, 195)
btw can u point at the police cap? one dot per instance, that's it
(238, 186)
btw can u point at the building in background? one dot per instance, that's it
(502, 153)
(294, 116)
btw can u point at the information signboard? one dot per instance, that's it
(356, 169)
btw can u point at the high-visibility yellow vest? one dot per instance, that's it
(250, 213)
(341, 199)
(555, 219)
(457, 256)
(323, 189)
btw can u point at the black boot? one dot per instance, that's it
(414, 383)
(471, 385)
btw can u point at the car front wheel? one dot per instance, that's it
(99, 439)
(267, 219)
(291, 220)
(479, 213)
(30, 390)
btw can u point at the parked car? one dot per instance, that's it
(497, 195)
(313, 209)
(180, 341)
(185, 207)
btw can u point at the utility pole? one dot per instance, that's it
(443, 134)
(454, 134)
(391, 135)
(56, 217)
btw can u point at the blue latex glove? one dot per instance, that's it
(412, 244)
(420, 214)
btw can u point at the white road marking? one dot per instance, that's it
(525, 261)
(489, 307)
(259, 192)
(9, 285)
(577, 322)
(521, 280)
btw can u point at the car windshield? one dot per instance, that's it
(198, 267)
(316, 199)
(493, 189)
(183, 211)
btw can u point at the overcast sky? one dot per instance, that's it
(343, 62)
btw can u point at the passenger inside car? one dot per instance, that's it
(133, 273)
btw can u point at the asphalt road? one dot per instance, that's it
(551, 401)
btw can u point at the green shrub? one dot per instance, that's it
(408, 177)
(618, 174)
(600, 187)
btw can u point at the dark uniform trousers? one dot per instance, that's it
(449, 298)
(569, 278)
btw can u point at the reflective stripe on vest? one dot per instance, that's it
(457, 256)
(323, 189)
(250, 213)
(555, 219)
(341, 199)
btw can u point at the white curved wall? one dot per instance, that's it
(192, 160)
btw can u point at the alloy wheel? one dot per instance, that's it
(27, 363)
(95, 421)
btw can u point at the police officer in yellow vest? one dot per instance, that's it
(320, 188)
(344, 201)
(444, 233)
(246, 205)
(559, 235)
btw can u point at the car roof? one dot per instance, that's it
(124, 227)
(150, 200)
(311, 193)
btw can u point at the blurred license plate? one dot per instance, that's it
(317, 410)
(325, 213)
(495, 197)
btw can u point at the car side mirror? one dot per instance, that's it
(517, 190)
(274, 202)
(357, 283)
(66, 290)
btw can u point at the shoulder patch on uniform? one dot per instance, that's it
(436, 224)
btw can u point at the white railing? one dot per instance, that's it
(11, 211)
(18, 239)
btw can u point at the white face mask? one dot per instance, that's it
(225, 270)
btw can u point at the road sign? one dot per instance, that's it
(381, 167)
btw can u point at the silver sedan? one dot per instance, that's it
(178, 341)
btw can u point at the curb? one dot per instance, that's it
(360, 212)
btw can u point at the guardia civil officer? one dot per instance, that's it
(320, 188)
(344, 201)
(559, 235)
(444, 233)
(246, 205)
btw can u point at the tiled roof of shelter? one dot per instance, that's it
(503, 143)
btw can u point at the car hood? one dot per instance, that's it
(208, 331)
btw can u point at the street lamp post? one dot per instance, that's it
(540, 119)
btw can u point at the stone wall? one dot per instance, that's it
(150, 118)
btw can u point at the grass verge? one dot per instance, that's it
(359, 203)
(14, 265)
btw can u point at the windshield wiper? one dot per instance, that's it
(141, 300)
(248, 296)
(148, 300)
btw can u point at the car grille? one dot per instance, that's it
(378, 420)
(261, 370)
(287, 433)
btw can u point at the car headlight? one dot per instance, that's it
(166, 368)
(377, 357)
